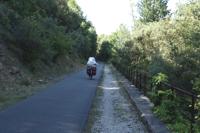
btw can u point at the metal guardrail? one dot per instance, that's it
(141, 79)
(193, 101)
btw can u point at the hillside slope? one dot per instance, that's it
(40, 40)
(17, 81)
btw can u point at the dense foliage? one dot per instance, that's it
(153, 10)
(105, 52)
(44, 30)
(170, 46)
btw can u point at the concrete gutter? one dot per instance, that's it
(144, 107)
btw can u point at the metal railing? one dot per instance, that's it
(143, 82)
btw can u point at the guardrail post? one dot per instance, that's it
(127, 75)
(192, 115)
(130, 74)
(151, 84)
(140, 81)
(136, 79)
(173, 93)
(145, 82)
(133, 77)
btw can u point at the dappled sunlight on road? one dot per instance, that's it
(109, 88)
(144, 97)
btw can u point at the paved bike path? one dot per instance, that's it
(62, 108)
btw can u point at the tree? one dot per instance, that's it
(105, 52)
(153, 10)
(46, 30)
(121, 36)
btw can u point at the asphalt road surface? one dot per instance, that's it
(62, 108)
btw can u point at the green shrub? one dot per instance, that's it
(105, 52)
(44, 30)
(179, 127)
(159, 96)
(158, 78)
(167, 111)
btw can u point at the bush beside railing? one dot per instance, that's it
(144, 83)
